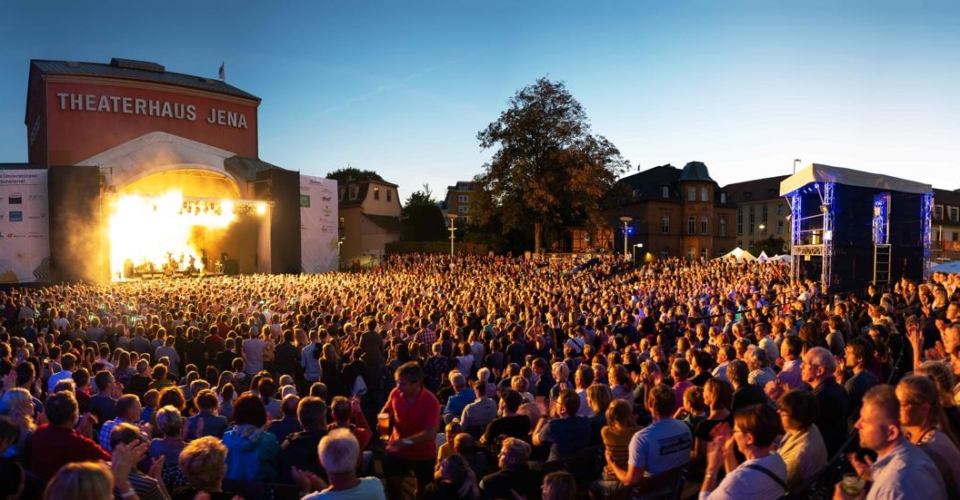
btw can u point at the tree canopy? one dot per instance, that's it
(344, 175)
(421, 218)
(548, 170)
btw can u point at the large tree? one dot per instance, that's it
(344, 175)
(421, 218)
(549, 170)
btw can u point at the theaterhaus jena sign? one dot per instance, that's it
(147, 107)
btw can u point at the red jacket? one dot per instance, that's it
(54, 447)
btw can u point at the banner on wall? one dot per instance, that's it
(24, 226)
(319, 236)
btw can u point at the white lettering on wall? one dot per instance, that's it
(147, 107)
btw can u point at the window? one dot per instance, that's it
(703, 254)
(389, 196)
(704, 194)
(938, 212)
(354, 191)
(463, 198)
(779, 227)
(954, 212)
(763, 217)
(692, 194)
(665, 191)
(665, 225)
(740, 221)
(723, 197)
(342, 221)
(723, 226)
(664, 254)
(691, 252)
(376, 193)
(691, 225)
(740, 243)
(463, 219)
(753, 218)
(704, 226)
(463, 209)
(340, 194)
(779, 208)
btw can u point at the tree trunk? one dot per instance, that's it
(536, 237)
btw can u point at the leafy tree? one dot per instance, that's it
(421, 218)
(345, 175)
(549, 169)
(773, 245)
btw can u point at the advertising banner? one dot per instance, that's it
(319, 252)
(24, 226)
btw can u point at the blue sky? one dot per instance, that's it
(403, 87)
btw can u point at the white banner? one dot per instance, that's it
(24, 226)
(318, 225)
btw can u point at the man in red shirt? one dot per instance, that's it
(415, 414)
(57, 443)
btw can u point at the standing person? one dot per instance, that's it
(310, 359)
(371, 343)
(287, 355)
(252, 348)
(415, 414)
(62, 413)
(817, 370)
(900, 467)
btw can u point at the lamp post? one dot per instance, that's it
(635, 247)
(795, 164)
(453, 228)
(763, 227)
(626, 220)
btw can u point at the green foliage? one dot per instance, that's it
(549, 170)
(421, 218)
(345, 175)
(773, 245)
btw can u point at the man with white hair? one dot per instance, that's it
(339, 454)
(817, 370)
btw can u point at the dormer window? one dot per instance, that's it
(665, 191)
(389, 196)
(723, 197)
(376, 194)
(704, 194)
(354, 191)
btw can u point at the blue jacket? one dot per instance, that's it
(251, 453)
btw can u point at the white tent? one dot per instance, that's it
(763, 256)
(780, 258)
(952, 267)
(739, 254)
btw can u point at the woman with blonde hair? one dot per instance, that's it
(945, 380)
(204, 463)
(924, 424)
(620, 428)
(81, 481)
(18, 405)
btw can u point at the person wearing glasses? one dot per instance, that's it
(764, 475)
(817, 370)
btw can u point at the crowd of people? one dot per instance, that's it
(482, 377)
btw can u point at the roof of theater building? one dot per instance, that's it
(756, 189)
(138, 70)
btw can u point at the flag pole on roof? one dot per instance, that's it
(223, 72)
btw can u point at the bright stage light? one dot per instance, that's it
(261, 208)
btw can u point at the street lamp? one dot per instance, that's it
(626, 220)
(453, 228)
(795, 164)
(763, 227)
(635, 247)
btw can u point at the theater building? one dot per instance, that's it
(674, 213)
(137, 172)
